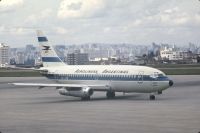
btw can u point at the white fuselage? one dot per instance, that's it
(120, 78)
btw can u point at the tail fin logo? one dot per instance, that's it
(46, 48)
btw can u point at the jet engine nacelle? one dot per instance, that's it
(82, 92)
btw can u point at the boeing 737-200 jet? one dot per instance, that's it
(82, 80)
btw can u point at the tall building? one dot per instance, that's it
(29, 48)
(77, 59)
(29, 55)
(174, 54)
(4, 55)
(20, 58)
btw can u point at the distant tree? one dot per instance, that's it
(144, 55)
(145, 58)
(198, 59)
(150, 54)
(150, 57)
(118, 60)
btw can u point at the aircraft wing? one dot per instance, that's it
(42, 85)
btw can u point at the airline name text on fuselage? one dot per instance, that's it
(104, 71)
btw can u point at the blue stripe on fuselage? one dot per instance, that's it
(106, 77)
(42, 39)
(50, 59)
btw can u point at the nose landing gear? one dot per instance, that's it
(159, 92)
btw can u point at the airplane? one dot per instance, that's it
(83, 80)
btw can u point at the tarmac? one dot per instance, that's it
(29, 110)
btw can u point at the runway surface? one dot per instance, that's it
(29, 110)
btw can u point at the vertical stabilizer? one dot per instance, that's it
(49, 56)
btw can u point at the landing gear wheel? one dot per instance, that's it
(85, 98)
(152, 97)
(110, 94)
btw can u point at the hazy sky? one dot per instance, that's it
(102, 21)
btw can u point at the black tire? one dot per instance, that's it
(152, 97)
(85, 98)
(159, 92)
(110, 94)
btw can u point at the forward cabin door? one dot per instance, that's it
(155, 80)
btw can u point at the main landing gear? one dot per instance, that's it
(152, 97)
(85, 98)
(110, 94)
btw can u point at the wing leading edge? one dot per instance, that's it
(42, 85)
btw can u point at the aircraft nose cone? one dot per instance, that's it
(171, 82)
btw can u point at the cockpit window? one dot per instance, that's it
(157, 75)
(160, 75)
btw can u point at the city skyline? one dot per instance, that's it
(100, 21)
(107, 54)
